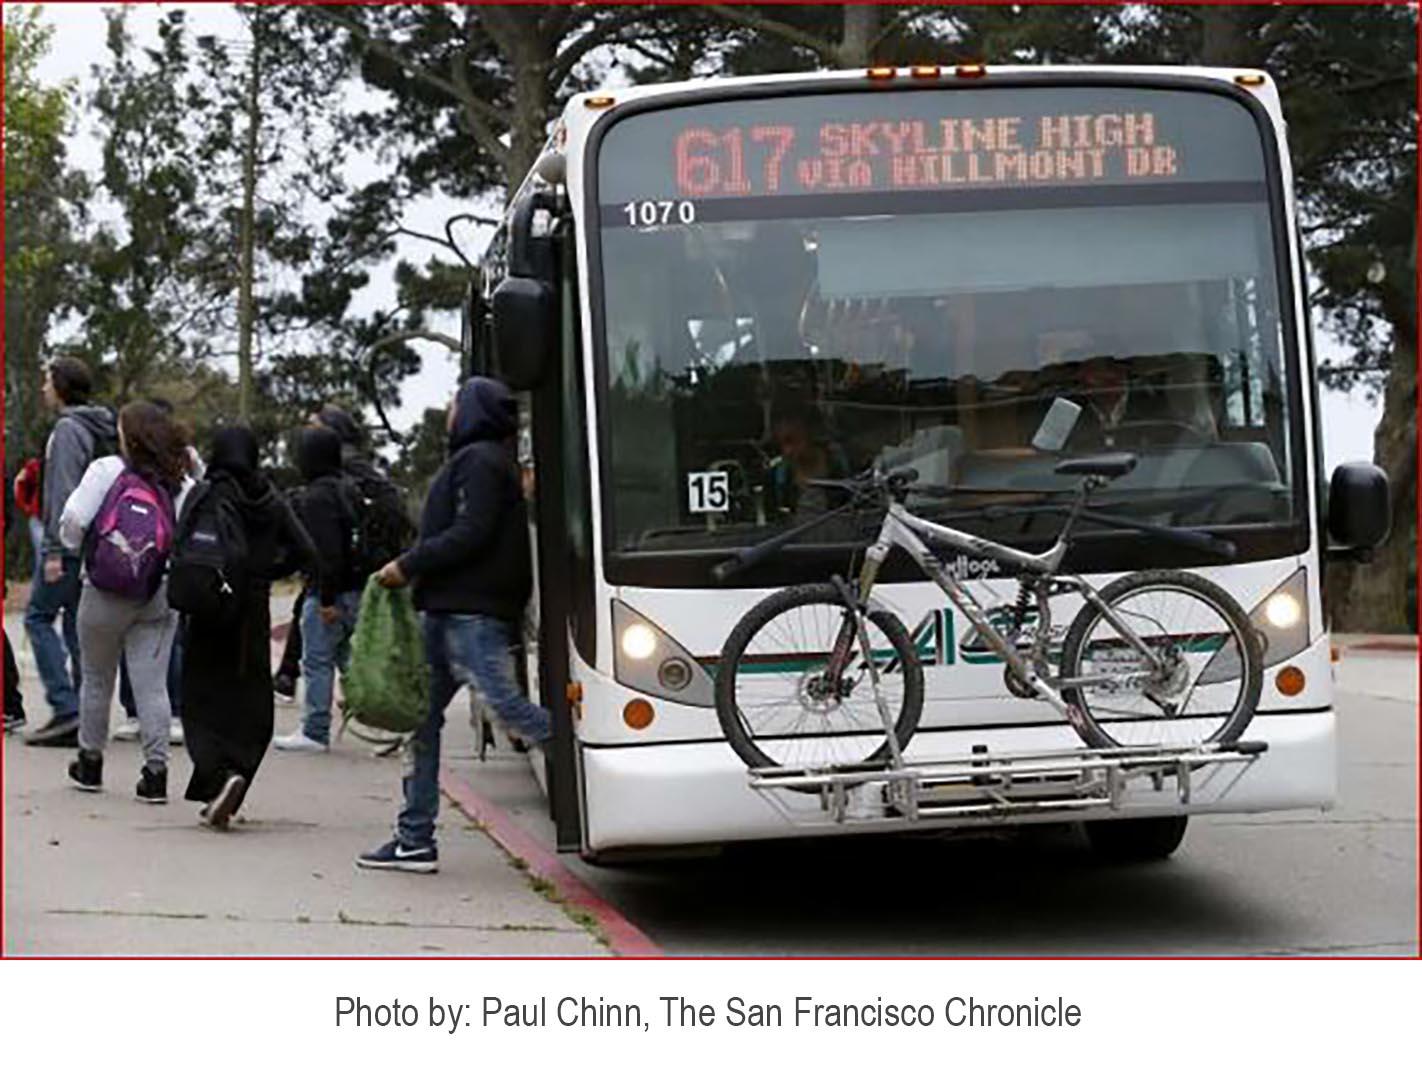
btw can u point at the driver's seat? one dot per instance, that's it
(1109, 465)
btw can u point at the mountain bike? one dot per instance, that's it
(824, 675)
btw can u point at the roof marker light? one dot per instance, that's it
(925, 71)
(971, 71)
(599, 101)
(882, 73)
(1250, 79)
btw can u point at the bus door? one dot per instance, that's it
(535, 351)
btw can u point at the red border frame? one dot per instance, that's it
(626, 939)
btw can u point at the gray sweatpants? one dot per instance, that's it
(143, 632)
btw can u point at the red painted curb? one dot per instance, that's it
(625, 938)
(1382, 646)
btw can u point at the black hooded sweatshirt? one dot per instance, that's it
(472, 555)
(326, 513)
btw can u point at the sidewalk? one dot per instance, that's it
(105, 875)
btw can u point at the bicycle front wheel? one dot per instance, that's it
(1198, 682)
(777, 703)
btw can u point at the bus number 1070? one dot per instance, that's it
(659, 212)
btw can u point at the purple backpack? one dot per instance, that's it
(130, 538)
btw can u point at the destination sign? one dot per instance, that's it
(916, 141)
(758, 160)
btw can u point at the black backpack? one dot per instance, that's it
(208, 571)
(380, 528)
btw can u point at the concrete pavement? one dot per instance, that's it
(1294, 883)
(105, 875)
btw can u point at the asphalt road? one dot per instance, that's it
(1342, 882)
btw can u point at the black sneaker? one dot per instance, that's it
(393, 856)
(14, 722)
(284, 687)
(219, 812)
(87, 771)
(61, 731)
(152, 785)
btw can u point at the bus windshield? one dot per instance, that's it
(802, 287)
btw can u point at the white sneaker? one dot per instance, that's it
(127, 732)
(175, 732)
(298, 741)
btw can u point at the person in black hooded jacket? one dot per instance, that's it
(472, 575)
(328, 617)
(227, 683)
(355, 465)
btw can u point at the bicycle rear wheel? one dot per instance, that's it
(1211, 673)
(775, 702)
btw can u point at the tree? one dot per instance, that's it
(1349, 83)
(43, 204)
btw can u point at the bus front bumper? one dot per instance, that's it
(692, 793)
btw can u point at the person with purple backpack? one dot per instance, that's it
(122, 517)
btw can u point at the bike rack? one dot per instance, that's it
(998, 787)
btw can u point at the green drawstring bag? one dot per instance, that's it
(387, 685)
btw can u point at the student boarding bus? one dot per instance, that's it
(712, 293)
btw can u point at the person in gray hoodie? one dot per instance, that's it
(83, 433)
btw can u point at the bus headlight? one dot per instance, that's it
(1282, 617)
(1282, 610)
(1281, 620)
(649, 661)
(638, 641)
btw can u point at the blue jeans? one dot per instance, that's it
(58, 661)
(324, 648)
(472, 649)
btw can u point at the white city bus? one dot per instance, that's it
(711, 292)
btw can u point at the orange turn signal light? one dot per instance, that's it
(1290, 681)
(637, 714)
(971, 71)
(883, 73)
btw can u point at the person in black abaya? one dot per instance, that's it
(227, 677)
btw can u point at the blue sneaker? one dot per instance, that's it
(393, 856)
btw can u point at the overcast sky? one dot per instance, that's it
(79, 43)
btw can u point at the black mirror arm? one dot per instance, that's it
(522, 261)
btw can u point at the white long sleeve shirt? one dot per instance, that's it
(83, 504)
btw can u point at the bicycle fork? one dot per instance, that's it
(859, 633)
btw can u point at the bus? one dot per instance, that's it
(708, 294)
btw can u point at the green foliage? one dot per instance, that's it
(43, 201)
(35, 115)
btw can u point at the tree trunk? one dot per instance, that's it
(1381, 597)
(861, 27)
(1223, 39)
(529, 121)
(246, 241)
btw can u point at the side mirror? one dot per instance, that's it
(524, 306)
(1359, 506)
(1056, 427)
(525, 331)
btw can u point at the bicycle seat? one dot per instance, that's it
(1110, 465)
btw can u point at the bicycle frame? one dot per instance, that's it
(903, 529)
